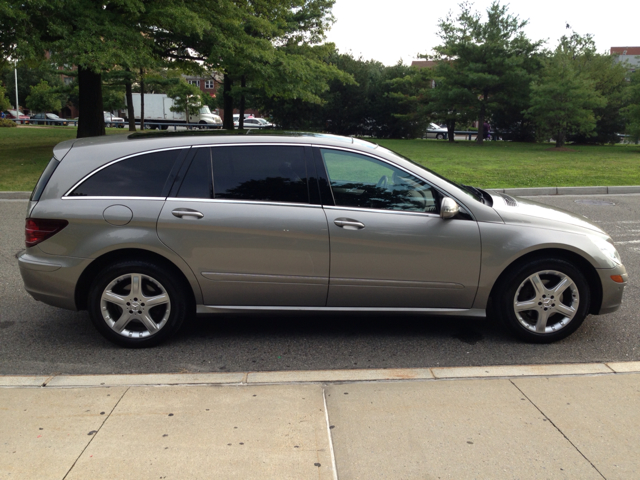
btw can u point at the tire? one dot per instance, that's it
(111, 295)
(439, 136)
(562, 296)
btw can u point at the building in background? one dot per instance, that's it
(631, 55)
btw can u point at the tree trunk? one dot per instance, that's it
(141, 99)
(227, 122)
(560, 137)
(243, 83)
(91, 122)
(130, 111)
(451, 128)
(481, 116)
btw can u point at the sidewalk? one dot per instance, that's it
(578, 421)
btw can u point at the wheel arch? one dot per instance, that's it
(587, 269)
(86, 278)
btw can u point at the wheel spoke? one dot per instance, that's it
(541, 324)
(526, 305)
(537, 284)
(565, 310)
(136, 280)
(122, 322)
(109, 296)
(148, 323)
(565, 283)
(158, 300)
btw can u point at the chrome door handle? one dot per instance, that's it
(349, 223)
(186, 212)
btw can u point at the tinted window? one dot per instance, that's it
(274, 174)
(139, 176)
(198, 182)
(44, 179)
(360, 181)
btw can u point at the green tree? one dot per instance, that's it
(563, 99)
(609, 80)
(490, 58)
(631, 112)
(43, 98)
(186, 98)
(5, 104)
(30, 74)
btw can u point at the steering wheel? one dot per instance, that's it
(383, 182)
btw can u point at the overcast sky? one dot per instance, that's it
(394, 30)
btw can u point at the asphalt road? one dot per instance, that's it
(38, 339)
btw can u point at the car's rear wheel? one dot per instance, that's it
(138, 304)
(439, 136)
(542, 301)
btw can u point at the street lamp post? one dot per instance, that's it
(17, 108)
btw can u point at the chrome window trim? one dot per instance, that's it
(90, 174)
(242, 202)
(378, 210)
(252, 144)
(78, 197)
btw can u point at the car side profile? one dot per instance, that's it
(146, 230)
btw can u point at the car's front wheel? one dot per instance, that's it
(542, 300)
(138, 304)
(439, 136)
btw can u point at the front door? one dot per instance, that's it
(389, 246)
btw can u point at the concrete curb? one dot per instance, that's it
(319, 376)
(15, 195)
(539, 191)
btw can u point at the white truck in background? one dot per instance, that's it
(157, 110)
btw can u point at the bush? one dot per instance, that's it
(5, 122)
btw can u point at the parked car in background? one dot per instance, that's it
(145, 231)
(252, 123)
(435, 131)
(48, 119)
(110, 120)
(11, 115)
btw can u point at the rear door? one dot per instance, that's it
(240, 216)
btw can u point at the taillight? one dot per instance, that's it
(37, 230)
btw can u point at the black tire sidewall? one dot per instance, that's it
(181, 306)
(509, 285)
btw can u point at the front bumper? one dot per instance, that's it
(612, 291)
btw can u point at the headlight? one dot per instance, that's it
(607, 248)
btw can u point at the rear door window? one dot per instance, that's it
(146, 175)
(260, 173)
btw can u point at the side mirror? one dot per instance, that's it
(448, 208)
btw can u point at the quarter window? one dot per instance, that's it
(361, 181)
(140, 176)
(260, 173)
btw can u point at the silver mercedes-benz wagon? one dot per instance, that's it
(146, 230)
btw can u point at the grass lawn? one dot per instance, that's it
(24, 152)
(508, 164)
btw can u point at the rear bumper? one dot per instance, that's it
(612, 291)
(51, 279)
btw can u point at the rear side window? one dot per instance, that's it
(44, 179)
(262, 173)
(198, 182)
(140, 176)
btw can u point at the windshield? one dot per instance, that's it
(468, 190)
(205, 110)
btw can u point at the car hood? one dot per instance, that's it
(517, 210)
